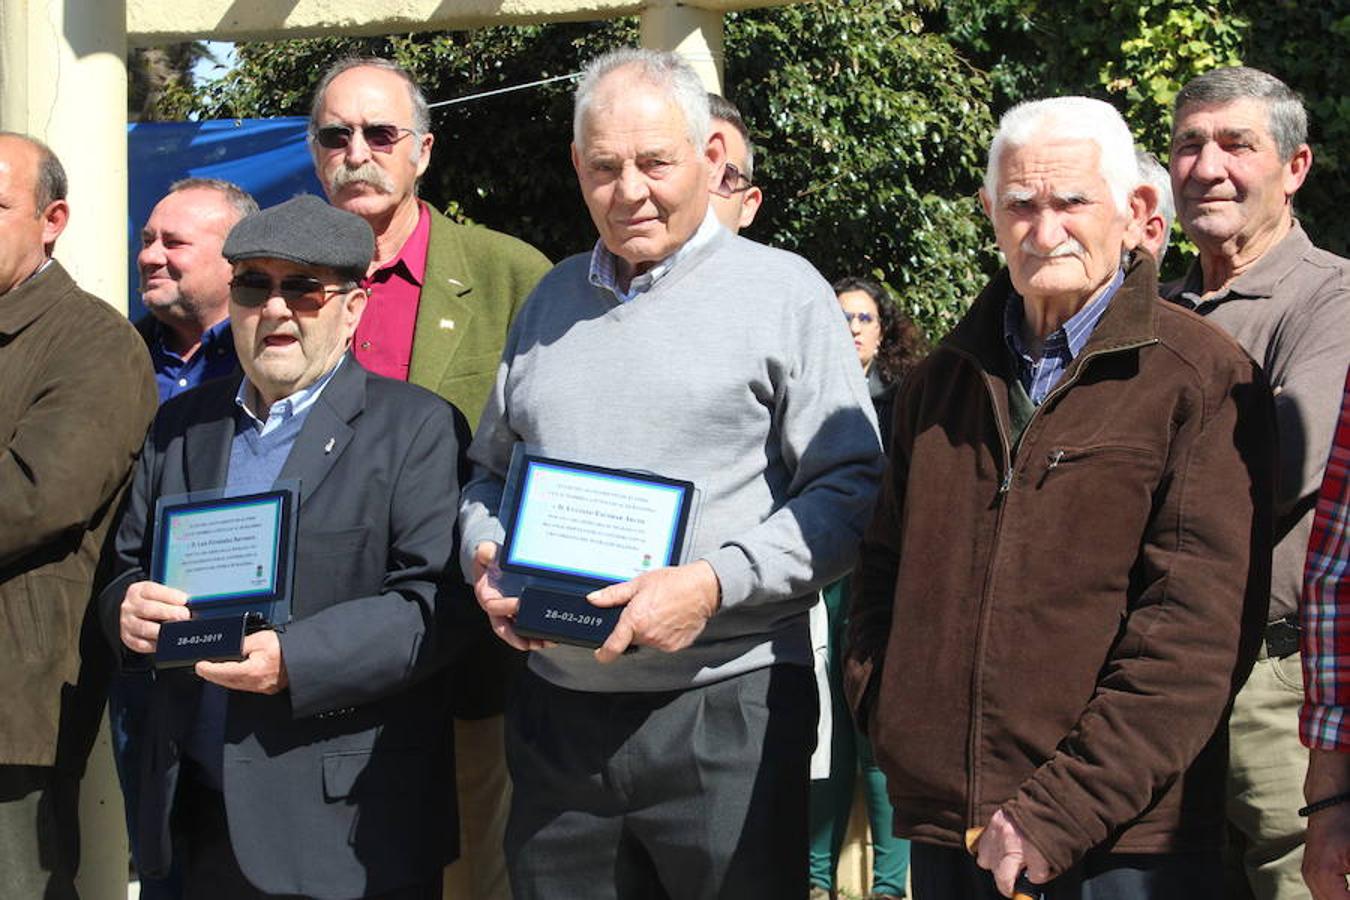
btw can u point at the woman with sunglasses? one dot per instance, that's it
(889, 345)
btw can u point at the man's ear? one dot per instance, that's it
(1140, 204)
(54, 217)
(716, 154)
(1296, 170)
(750, 204)
(987, 203)
(424, 154)
(356, 305)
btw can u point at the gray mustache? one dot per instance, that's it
(366, 173)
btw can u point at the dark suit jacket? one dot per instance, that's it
(342, 785)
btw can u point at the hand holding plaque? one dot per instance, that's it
(573, 528)
(145, 608)
(665, 609)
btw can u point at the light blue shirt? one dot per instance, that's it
(257, 455)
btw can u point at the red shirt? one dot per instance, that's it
(384, 336)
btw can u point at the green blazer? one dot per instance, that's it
(476, 281)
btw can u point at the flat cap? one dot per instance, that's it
(304, 230)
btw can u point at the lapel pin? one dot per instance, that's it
(328, 447)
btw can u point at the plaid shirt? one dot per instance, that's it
(604, 264)
(1039, 374)
(1325, 612)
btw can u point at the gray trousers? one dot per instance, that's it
(39, 832)
(687, 795)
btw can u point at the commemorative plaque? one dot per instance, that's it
(234, 558)
(572, 528)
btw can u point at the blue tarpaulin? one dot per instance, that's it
(269, 158)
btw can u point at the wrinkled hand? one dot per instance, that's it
(665, 608)
(146, 605)
(1326, 855)
(261, 671)
(1003, 851)
(501, 610)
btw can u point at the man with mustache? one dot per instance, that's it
(1066, 573)
(442, 297)
(1239, 154)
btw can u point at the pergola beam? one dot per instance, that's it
(150, 23)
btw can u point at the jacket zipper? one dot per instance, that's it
(1005, 486)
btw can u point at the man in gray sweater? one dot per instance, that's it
(677, 348)
(1239, 154)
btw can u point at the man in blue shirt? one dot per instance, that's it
(185, 285)
(185, 282)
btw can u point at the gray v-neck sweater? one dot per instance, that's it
(734, 371)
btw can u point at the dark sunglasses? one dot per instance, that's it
(380, 138)
(863, 318)
(734, 181)
(300, 292)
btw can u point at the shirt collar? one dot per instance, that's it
(287, 407)
(604, 264)
(44, 266)
(411, 261)
(1260, 280)
(210, 337)
(1068, 338)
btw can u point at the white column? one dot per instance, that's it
(63, 80)
(695, 34)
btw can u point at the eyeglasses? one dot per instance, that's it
(734, 181)
(380, 138)
(300, 292)
(863, 318)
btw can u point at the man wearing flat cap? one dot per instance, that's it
(315, 766)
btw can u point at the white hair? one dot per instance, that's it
(664, 70)
(1068, 119)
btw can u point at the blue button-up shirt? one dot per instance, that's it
(214, 358)
(1040, 374)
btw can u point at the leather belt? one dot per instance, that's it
(1282, 637)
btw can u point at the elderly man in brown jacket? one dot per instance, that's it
(1066, 575)
(76, 395)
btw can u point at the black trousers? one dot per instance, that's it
(945, 873)
(210, 869)
(687, 795)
